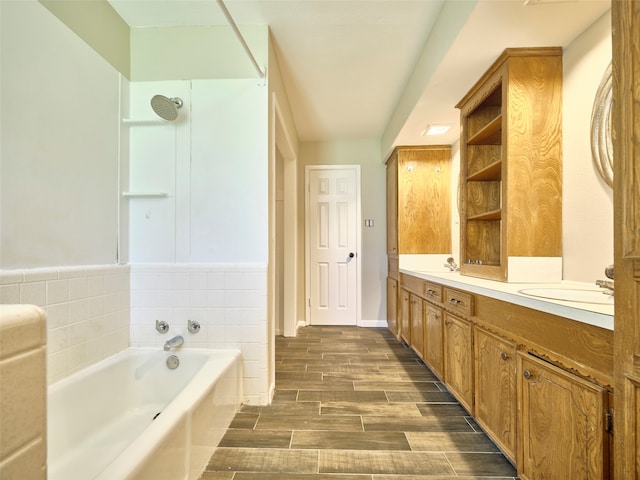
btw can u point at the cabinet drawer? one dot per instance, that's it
(457, 300)
(433, 291)
(415, 284)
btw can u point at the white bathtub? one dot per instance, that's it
(101, 423)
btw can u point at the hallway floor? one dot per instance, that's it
(354, 404)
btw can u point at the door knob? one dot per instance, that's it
(351, 254)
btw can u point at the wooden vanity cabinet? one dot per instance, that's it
(495, 389)
(418, 200)
(458, 363)
(562, 424)
(538, 384)
(511, 167)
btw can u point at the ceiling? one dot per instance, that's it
(384, 69)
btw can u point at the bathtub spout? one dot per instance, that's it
(173, 343)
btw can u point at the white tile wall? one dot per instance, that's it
(229, 301)
(94, 312)
(87, 311)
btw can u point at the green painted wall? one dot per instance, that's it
(178, 53)
(98, 24)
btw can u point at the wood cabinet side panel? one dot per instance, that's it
(625, 22)
(392, 205)
(392, 305)
(417, 325)
(404, 323)
(533, 150)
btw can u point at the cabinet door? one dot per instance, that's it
(562, 424)
(405, 316)
(433, 338)
(458, 365)
(495, 389)
(417, 325)
(392, 305)
(392, 206)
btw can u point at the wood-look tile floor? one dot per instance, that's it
(354, 404)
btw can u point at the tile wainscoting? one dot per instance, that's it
(228, 300)
(94, 312)
(87, 309)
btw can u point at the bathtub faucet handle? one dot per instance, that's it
(193, 326)
(162, 326)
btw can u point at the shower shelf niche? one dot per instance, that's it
(145, 194)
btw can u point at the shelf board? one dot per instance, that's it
(491, 215)
(492, 171)
(489, 271)
(145, 194)
(490, 134)
(147, 121)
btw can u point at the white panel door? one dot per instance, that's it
(332, 245)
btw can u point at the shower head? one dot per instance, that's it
(166, 108)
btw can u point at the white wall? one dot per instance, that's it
(587, 200)
(365, 153)
(211, 162)
(59, 187)
(59, 154)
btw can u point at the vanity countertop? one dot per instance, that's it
(599, 315)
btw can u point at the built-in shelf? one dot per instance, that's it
(492, 171)
(491, 215)
(145, 194)
(149, 121)
(502, 217)
(490, 134)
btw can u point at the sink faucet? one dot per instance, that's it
(173, 343)
(451, 264)
(607, 284)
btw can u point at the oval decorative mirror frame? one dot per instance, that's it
(601, 145)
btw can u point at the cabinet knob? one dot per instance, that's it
(504, 356)
(527, 374)
(454, 301)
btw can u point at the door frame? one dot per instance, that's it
(307, 278)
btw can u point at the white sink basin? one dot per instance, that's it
(437, 271)
(570, 295)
